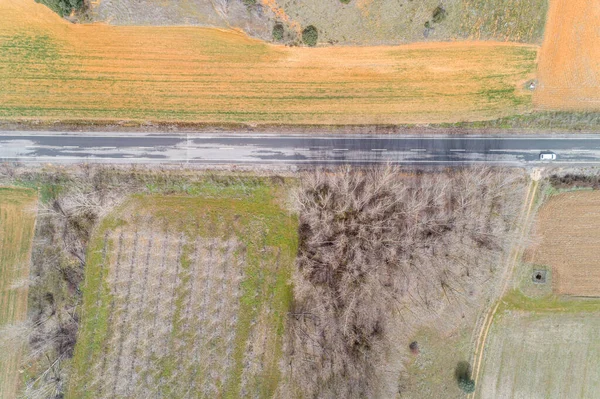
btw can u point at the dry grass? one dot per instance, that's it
(17, 220)
(403, 21)
(542, 356)
(52, 69)
(568, 71)
(570, 242)
(185, 297)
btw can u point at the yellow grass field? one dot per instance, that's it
(17, 220)
(570, 242)
(50, 69)
(569, 71)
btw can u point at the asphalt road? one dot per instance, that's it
(224, 148)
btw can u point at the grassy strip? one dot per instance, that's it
(516, 300)
(17, 221)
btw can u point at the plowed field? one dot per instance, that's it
(17, 220)
(50, 69)
(569, 71)
(568, 226)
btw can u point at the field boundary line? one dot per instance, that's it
(516, 250)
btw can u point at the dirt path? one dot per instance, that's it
(514, 255)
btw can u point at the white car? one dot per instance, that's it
(547, 156)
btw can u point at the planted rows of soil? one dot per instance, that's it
(179, 300)
(570, 242)
(569, 72)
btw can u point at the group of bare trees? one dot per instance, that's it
(74, 202)
(378, 246)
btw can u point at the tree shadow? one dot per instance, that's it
(462, 371)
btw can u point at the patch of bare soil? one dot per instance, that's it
(252, 19)
(570, 242)
(568, 69)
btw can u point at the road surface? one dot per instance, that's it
(224, 148)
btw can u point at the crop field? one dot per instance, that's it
(569, 72)
(50, 69)
(570, 242)
(542, 355)
(17, 220)
(185, 296)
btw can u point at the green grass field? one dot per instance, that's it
(185, 296)
(17, 220)
(542, 355)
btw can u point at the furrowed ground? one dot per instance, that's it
(17, 220)
(186, 297)
(50, 69)
(569, 72)
(570, 242)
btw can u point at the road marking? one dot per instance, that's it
(461, 150)
(507, 150)
(340, 149)
(418, 150)
(379, 149)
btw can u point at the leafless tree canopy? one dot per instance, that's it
(377, 243)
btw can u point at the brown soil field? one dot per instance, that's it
(50, 69)
(568, 70)
(570, 242)
(17, 220)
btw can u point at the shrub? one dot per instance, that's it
(310, 36)
(63, 7)
(345, 1)
(439, 14)
(278, 32)
(467, 385)
(569, 181)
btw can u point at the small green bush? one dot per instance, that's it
(439, 14)
(310, 36)
(467, 385)
(278, 32)
(63, 7)
(345, 1)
